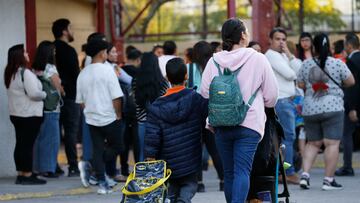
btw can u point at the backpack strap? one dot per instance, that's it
(236, 72)
(217, 66)
(252, 98)
(22, 72)
(191, 75)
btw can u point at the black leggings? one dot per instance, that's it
(26, 130)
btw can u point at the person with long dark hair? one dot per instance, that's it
(304, 51)
(322, 78)
(237, 144)
(25, 97)
(148, 85)
(202, 52)
(305, 46)
(48, 142)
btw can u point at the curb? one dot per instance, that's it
(35, 195)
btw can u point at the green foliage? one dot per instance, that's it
(317, 14)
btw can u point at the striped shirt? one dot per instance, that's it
(141, 111)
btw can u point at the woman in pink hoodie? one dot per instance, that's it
(237, 145)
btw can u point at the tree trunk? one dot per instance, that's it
(154, 7)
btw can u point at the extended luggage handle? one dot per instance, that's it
(146, 190)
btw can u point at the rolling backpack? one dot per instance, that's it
(226, 105)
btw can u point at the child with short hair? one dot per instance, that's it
(173, 132)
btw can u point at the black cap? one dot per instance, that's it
(95, 46)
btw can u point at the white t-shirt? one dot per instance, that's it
(97, 87)
(163, 61)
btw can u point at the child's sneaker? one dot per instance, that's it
(304, 182)
(327, 185)
(104, 188)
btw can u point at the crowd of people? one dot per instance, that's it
(156, 105)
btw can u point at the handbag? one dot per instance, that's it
(147, 183)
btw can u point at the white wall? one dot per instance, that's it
(12, 26)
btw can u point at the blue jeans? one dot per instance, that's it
(141, 139)
(286, 112)
(86, 141)
(47, 144)
(237, 146)
(182, 190)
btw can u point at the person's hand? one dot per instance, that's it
(353, 116)
(285, 49)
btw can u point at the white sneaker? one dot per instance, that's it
(84, 168)
(104, 189)
(111, 182)
(93, 180)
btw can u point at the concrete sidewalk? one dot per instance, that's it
(66, 189)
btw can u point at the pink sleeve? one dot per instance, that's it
(269, 85)
(206, 79)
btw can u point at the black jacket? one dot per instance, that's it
(352, 94)
(67, 65)
(173, 131)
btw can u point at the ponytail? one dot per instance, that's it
(231, 33)
(322, 48)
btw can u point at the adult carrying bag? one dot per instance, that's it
(147, 183)
(52, 94)
(226, 105)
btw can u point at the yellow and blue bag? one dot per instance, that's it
(147, 183)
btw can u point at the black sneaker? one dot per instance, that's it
(304, 182)
(331, 185)
(73, 172)
(59, 171)
(31, 180)
(201, 187)
(344, 172)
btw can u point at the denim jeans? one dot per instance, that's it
(141, 139)
(105, 151)
(47, 144)
(286, 112)
(86, 141)
(70, 120)
(182, 190)
(237, 146)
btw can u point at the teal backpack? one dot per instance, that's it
(226, 105)
(52, 95)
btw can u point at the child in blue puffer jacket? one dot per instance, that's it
(173, 132)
